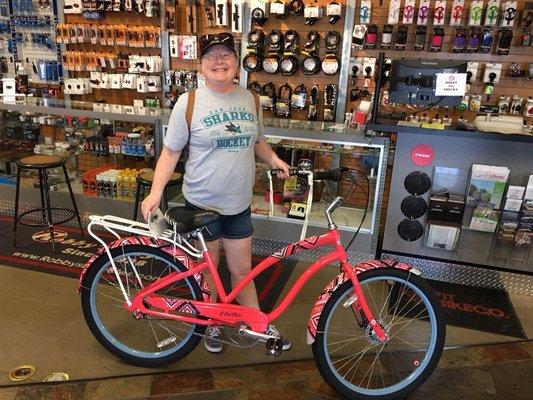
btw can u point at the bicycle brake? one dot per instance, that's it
(274, 347)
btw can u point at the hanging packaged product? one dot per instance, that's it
(492, 12)
(289, 63)
(386, 37)
(310, 64)
(459, 41)
(333, 11)
(312, 13)
(299, 97)
(504, 105)
(471, 74)
(476, 13)
(330, 102)
(401, 38)
(528, 108)
(221, 7)
(474, 40)
(509, 14)
(369, 66)
(439, 13)
(267, 98)
(371, 38)
(457, 12)
(516, 105)
(420, 38)
(236, 16)
(279, 9)
(358, 37)
(394, 12)
(313, 104)
(487, 40)
(437, 39)
(504, 44)
(191, 16)
(408, 12)
(365, 11)
(423, 13)
(283, 101)
(296, 7)
(255, 87)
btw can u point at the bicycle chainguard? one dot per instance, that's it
(274, 347)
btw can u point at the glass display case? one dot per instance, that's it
(323, 146)
(105, 150)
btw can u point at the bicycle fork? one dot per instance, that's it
(359, 304)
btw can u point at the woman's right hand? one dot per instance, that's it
(150, 204)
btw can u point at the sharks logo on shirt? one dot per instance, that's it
(232, 128)
(219, 117)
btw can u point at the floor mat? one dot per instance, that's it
(34, 252)
(478, 308)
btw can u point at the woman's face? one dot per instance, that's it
(219, 65)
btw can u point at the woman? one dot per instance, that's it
(225, 134)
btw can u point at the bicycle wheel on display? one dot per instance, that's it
(351, 358)
(145, 341)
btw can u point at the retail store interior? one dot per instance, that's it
(424, 109)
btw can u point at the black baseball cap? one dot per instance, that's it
(223, 39)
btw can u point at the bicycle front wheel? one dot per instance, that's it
(350, 357)
(140, 340)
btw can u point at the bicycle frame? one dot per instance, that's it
(222, 312)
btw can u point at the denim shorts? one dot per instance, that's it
(237, 226)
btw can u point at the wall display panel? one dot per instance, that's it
(113, 52)
(186, 22)
(476, 192)
(294, 59)
(492, 36)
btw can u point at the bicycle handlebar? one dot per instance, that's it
(334, 175)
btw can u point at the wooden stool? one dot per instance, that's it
(42, 163)
(145, 180)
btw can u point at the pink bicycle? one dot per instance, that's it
(377, 330)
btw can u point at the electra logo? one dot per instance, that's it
(230, 314)
(428, 62)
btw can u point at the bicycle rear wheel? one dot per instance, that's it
(351, 358)
(147, 341)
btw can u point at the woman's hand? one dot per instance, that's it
(277, 163)
(150, 204)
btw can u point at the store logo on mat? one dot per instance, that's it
(44, 236)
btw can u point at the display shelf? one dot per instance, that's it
(459, 150)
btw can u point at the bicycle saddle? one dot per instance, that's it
(184, 220)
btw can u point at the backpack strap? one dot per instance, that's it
(191, 96)
(256, 100)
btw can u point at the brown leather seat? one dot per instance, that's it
(41, 161)
(147, 178)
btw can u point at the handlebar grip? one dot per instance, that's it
(334, 175)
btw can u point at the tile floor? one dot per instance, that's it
(42, 325)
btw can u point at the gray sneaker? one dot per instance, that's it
(271, 330)
(212, 339)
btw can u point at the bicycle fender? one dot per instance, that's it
(175, 252)
(326, 293)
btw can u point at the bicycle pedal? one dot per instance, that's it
(274, 347)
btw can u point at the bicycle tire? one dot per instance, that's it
(390, 280)
(117, 334)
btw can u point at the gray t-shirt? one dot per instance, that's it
(220, 170)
